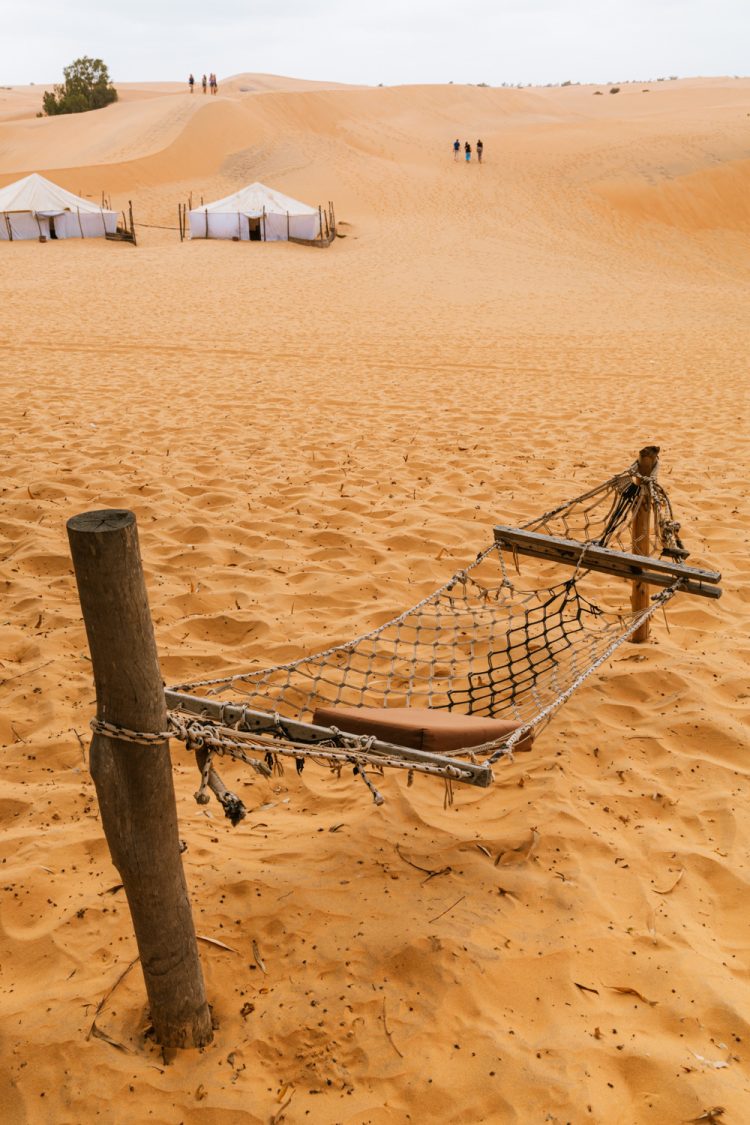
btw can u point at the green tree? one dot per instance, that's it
(87, 86)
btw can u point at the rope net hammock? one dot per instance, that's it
(459, 681)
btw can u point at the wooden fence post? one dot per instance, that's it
(648, 461)
(134, 781)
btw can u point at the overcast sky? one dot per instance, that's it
(371, 41)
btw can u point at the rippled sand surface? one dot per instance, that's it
(311, 442)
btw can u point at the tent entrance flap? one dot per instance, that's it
(254, 229)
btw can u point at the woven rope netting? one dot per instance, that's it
(492, 641)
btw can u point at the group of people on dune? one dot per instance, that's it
(467, 150)
(210, 83)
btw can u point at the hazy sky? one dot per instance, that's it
(371, 41)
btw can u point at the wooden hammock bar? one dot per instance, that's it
(644, 568)
(472, 773)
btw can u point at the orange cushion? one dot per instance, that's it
(420, 728)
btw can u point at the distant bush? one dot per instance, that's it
(615, 90)
(597, 92)
(485, 84)
(87, 86)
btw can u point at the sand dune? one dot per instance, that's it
(311, 441)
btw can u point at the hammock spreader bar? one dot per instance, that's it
(245, 719)
(590, 556)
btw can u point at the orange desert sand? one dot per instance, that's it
(312, 440)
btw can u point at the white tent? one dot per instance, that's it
(256, 213)
(34, 206)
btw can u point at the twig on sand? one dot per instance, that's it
(96, 1032)
(81, 743)
(461, 899)
(428, 871)
(668, 890)
(278, 1116)
(24, 672)
(216, 942)
(626, 990)
(388, 1033)
(257, 957)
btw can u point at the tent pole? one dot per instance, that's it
(264, 225)
(80, 224)
(288, 231)
(206, 214)
(179, 219)
(239, 227)
(10, 228)
(104, 222)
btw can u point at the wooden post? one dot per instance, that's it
(134, 781)
(132, 222)
(648, 462)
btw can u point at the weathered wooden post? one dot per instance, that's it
(134, 781)
(648, 461)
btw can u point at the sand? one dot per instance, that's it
(311, 441)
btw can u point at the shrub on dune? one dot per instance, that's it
(87, 86)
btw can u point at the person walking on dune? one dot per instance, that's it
(204, 83)
(480, 150)
(456, 148)
(191, 83)
(467, 152)
(214, 84)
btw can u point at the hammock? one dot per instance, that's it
(469, 674)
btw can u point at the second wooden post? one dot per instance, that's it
(648, 462)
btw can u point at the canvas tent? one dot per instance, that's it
(256, 213)
(34, 206)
